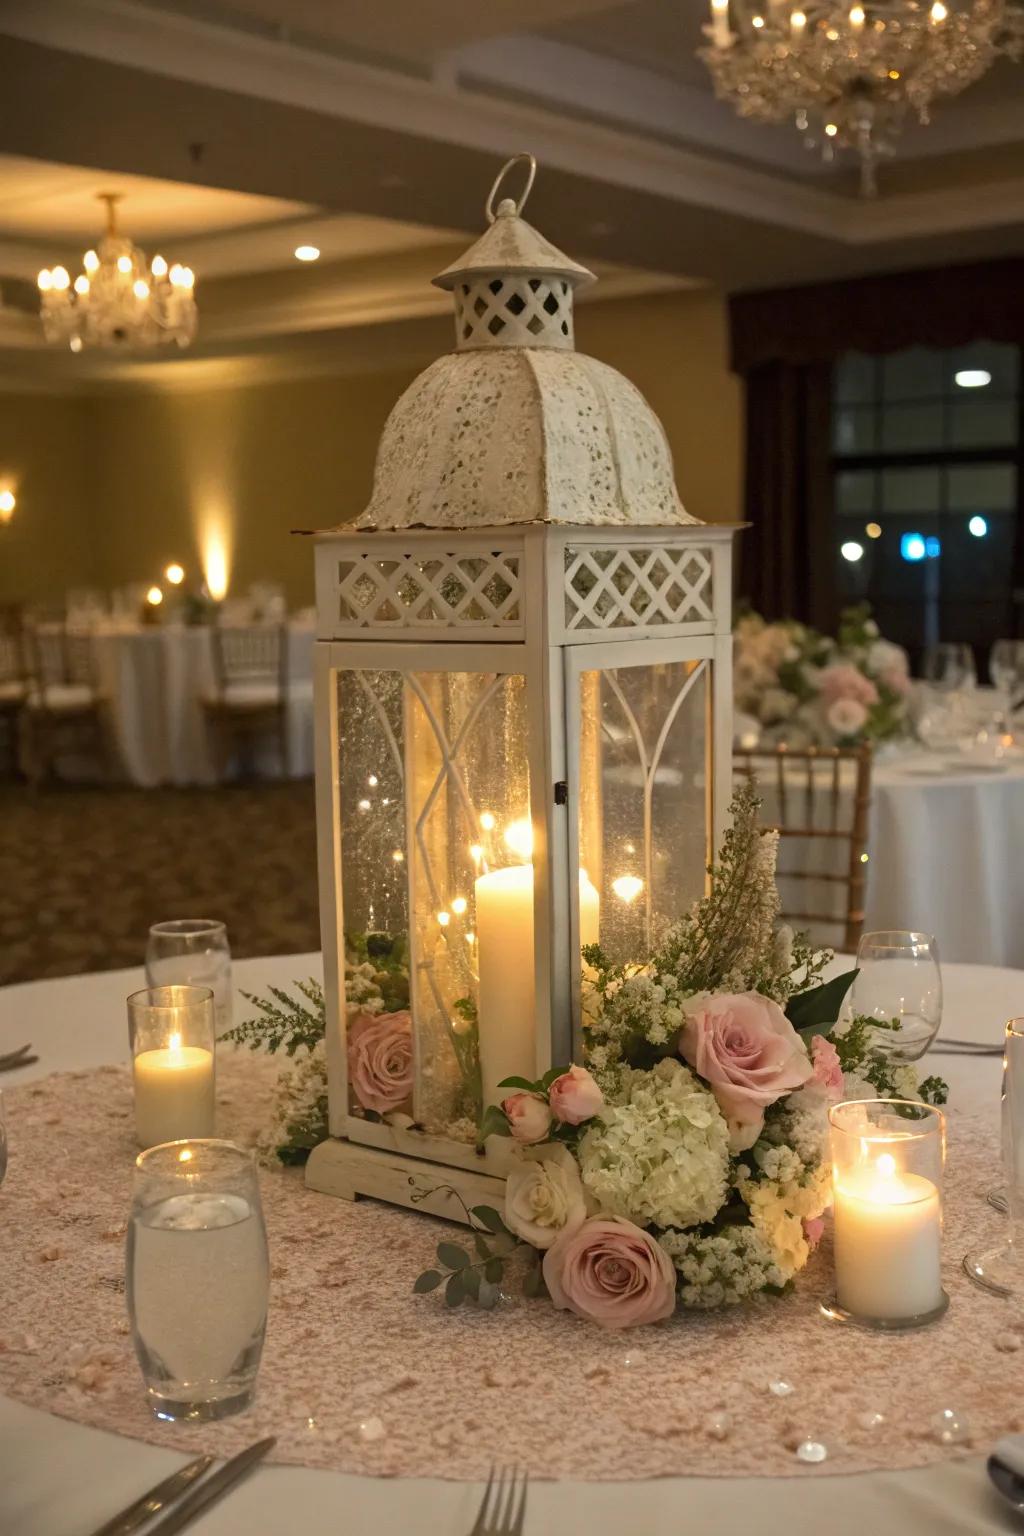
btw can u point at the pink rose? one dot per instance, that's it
(814, 1226)
(750, 1055)
(528, 1116)
(828, 1074)
(843, 681)
(575, 1096)
(612, 1273)
(380, 1059)
(896, 680)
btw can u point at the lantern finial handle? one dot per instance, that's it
(517, 207)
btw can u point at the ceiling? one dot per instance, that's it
(372, 128)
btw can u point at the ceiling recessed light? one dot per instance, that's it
(307, 252)
(972, 378)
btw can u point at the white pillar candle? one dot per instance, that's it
(888, 1239)
(504, 936)
(174, 1094)
(590, 912)
(720, 31)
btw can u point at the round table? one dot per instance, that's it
(63, 1479)
(154, 681)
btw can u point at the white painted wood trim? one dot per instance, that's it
(343, 1169)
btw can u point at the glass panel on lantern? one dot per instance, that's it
(644, 802)
(437, 892)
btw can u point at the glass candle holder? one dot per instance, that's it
(887, 1162)
(192, 951)
(173, 1034)
(197, 1278)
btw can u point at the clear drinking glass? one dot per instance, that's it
(173, 1038)
(1001, 1269)
(194, 951)
(198, 1276)
(1006, 666)
(949, 665)
(899, 977)
(3, 1140)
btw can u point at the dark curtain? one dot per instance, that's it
(783, 343)
(788, 560)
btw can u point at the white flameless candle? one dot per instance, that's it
(504, 932)
(888, 1238)
(720, 33)
(174, 1094)
(590, 912)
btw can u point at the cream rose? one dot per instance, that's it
(528, 1116)
(544, 1197)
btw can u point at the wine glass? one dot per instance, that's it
(1006, 669)
(1001, 1269)
(192, 952)
(899, 979)
(949, 665)
(3, 1140)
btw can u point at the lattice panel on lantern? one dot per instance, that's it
(514, 311)
(623, 588)
(472, 590)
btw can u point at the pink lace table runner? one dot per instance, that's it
(359, 1375)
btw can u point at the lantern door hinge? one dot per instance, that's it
(561, 793)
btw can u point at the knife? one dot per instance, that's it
(211, 1489)
(153, 1502)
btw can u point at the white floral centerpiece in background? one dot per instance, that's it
(806, 689)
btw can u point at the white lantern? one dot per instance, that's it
(523, 703)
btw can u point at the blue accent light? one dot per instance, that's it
(932, 547)
(912, 546)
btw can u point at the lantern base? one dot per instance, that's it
(345, 1169)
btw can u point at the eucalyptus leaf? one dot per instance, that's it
(808, 1011)
(534, 1285)
(454, 1291)
(452, 1256)
(488, 1217)
(481, 1245)
(471, 1280)
(494, 1269)
(428, 1281)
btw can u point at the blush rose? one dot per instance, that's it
(528, 1115)
(575, 1097)
(611, 1273)
(748, 1053)
(828, 1072)
(380, 1059)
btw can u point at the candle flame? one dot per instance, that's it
(175, 1041)
(886, 1165)
(627, 888)
(185, 1155)
(519, 837)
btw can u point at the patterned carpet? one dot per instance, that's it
(84, 872)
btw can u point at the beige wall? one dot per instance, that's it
(113, 487)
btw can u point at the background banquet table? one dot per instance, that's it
(154, 681)
(59, 1478)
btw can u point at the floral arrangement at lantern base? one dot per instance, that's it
(686, 1163)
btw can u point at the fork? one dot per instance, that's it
(501, 1512)
(14, 1059)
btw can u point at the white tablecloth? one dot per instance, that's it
(154, 681)
(61, 1479)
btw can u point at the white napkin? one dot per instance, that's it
(1010, 1451)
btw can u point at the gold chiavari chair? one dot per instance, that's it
(13, 683)
(64, 708)
(818, 800)
(250, 663)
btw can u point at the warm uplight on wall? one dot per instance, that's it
(175, 574)
(8, 502)
(154, 597)
(215, 558)
(307, 253)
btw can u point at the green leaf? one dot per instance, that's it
(471, 1280)
(454, 1291)
(494, 1123)
(452, 1256)
(428, 1281)
(519, 1082)
(494, 1270)
(534, 1285)
(821, 1005)
(550, 1076)
(481, 1245)
(488, 1217)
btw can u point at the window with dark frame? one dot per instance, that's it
(928, 480)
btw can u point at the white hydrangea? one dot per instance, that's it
(661, 1156)
(362, 989)
(299, 1097)
(724, 1269)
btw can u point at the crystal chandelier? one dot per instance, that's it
(848, 74)
(117, 300)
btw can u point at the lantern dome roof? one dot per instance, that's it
(515, 426)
